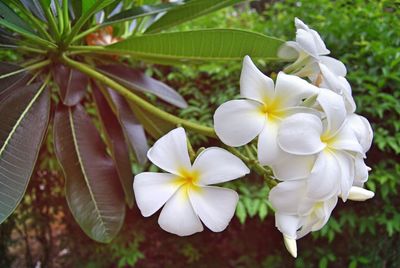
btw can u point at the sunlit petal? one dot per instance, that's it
(216, 165)
(334, 108)
(254, 84)
(152, 190)
(214, 205)
(170, 152)
(300, 134)
(237, 122)
(178, 216)
(324, 180)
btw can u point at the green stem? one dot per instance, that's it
(67, 22)
(28, 68)
(60, 17)
(207, 131)
(256, 166)
(51, 20)
(31, 49)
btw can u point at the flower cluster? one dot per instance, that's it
(308, 134)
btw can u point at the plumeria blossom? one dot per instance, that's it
(296, 214)
(264, 106)
(312, 62)
(331, 140)
(184, 191)
(102, 37)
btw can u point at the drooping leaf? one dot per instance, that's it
(138, 81)
(7, 83)
(189, 11)
(134, 131)
(72, 84)
(87, 4)
(9, 16)
(155, 126)
(199, 45)
(137, 12)
(116, 142)
(23, 123)
(35, 7)
(93, 191)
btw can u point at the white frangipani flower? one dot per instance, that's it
(185, 190)
(295, 214)
(331, 140)
(238, 122)
(312, 62)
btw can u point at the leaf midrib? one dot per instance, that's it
(16, 125)
(75, 141)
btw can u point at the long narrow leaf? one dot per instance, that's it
(23, 123)
(187, 12)
(7, 14)
(116, 142)
(72, 84)
(138, 12)
(93, 190)
(138, 81)
(10, 82)
(200, 45)
(131, 126)
(35, 7)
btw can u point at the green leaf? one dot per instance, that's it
(138, 81)
(93, 191)
(134, 131)
(23, 123)
(199, 45)
(35, 7)
(187, 12)
(116, 143)
(263, 210)
(137, 12)
(9, 16)
(241, 212)
(72, 84)
(10, 82)
(87, 4)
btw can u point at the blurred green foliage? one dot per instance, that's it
(365, 36)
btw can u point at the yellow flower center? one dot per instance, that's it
(272, 109)
(328, 139)
(188, 179)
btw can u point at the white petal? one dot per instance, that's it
(330, 80)
(216, 165)
(287, 224)
(293, 167)
(178, 216)
(319, 43)
(300, 134)
(335, 111)
(347, 95)
(267, 149)
(334, 65)
(286, 196)
(346, 164)
(290, 245)
(361, 171)
(291, 90)
(362, 130)
(306, 41)
(152, 190)
(288, 51)
(170, 152)
(214, 205)
(254, 84)
(347, 140)
(323, 213)
(324, 180)
(300, 24)
(237, 122)
(360, 194)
